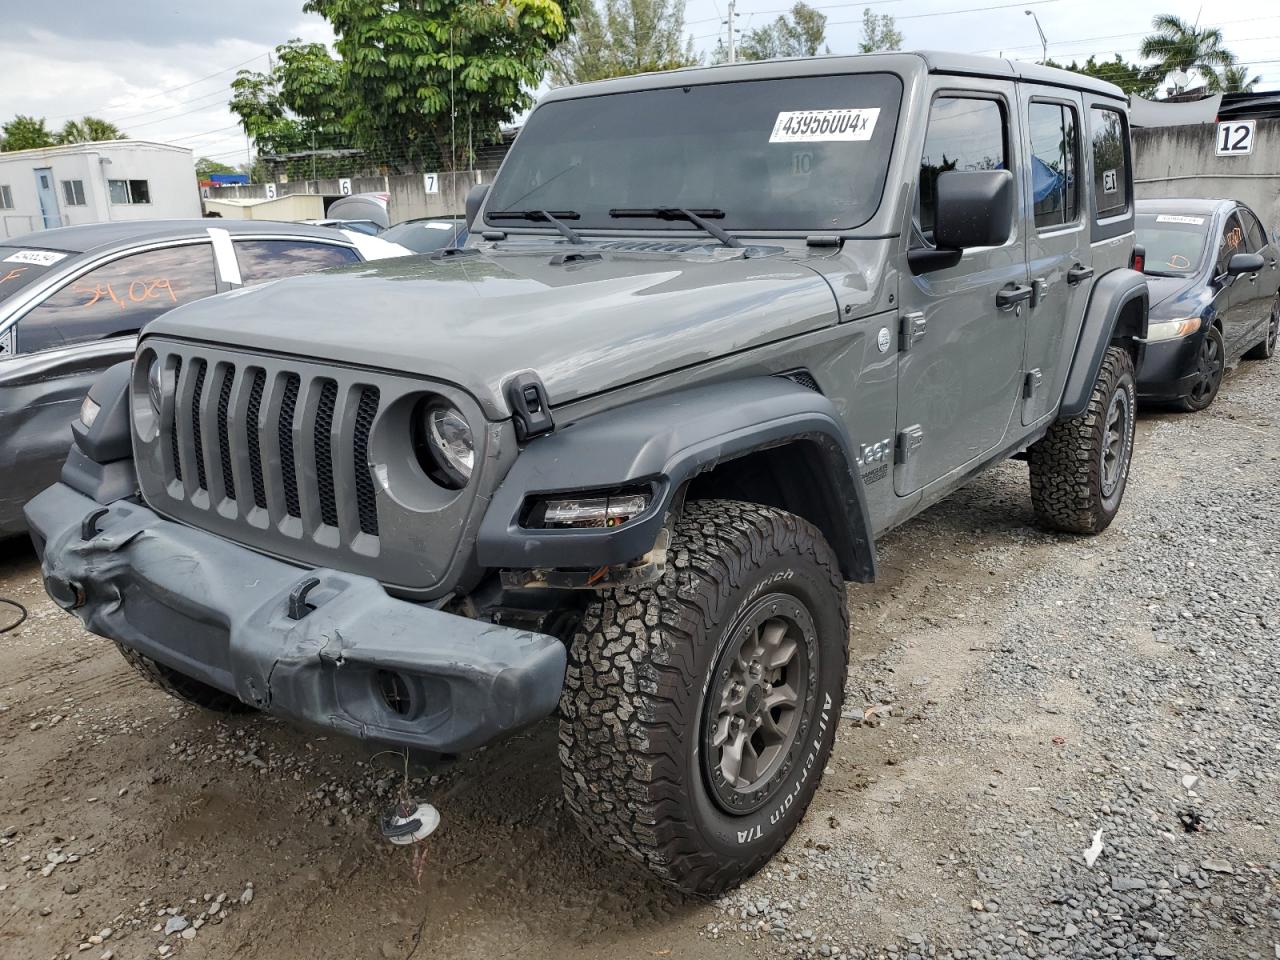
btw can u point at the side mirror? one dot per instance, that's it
(1244, 263)
(475, 200)
(974, 209)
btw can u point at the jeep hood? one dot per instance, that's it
(474, 320)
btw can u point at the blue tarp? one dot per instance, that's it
(227, 179)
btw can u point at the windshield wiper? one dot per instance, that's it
(699, 218)
(553, 217)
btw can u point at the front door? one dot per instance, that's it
(48, 198)
(1241, 290)
(960, 366)
(1057, 242)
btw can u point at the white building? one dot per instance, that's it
(95, 182)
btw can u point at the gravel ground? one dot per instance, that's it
(1012, 693)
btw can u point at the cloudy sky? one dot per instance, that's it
(160, 68)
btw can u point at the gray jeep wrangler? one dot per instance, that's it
(716, 330)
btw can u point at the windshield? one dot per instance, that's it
(805, 153)
(20, 266)
(1174, 243)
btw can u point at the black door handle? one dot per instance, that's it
(1012, 294)
(1079, 274)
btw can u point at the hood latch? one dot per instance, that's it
(529, 405)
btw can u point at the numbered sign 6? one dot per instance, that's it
(1235, 138)
(344, 186)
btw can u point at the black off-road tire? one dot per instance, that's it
(181, 686)
(1267, 348)
(1069, 486)
(641, 668)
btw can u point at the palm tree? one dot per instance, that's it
(1233, 79)
(89, 130)
(1179, 45)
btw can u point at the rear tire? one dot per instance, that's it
(1267, 348)
(1080, 468)
(666, 752)
(181, 686)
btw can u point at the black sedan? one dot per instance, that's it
(72, 300)
(1211, 268)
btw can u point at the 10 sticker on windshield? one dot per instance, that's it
(821, 126)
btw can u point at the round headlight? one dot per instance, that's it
(153, 383)
(450, 443)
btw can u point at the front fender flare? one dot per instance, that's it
(666, 441)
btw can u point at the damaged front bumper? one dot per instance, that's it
(318, 646)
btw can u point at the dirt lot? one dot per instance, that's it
(1031, 690)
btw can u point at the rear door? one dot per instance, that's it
(1057, 231)
(960, 366)
(65, 340)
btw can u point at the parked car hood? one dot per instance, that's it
(584, 326)
(1161, 289)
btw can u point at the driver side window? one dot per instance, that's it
(1231, 243)
(965, 133)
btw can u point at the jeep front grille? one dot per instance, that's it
(208, 437)
(306, 460)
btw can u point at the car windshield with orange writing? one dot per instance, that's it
(1174, 244)
(22, 266)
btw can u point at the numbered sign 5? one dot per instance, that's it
(1235, 138)
(431, 182)
(271, 191)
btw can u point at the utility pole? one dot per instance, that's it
(733, 53)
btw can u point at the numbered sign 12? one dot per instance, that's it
(1235, 138)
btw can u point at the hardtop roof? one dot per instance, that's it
(933, 61)
(96, 237)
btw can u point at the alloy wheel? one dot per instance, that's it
(1115, 439)
(1209, 367)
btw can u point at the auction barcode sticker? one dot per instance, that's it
(41, 258)
(819, 126)
(1170, 218)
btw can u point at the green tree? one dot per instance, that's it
(624, 38)
(422, 78)
(801, 33)
(1178, 45)
(25, 133)
(1234, 79)
(89, 130)
(205, 168)
(296, 105)
(1129, 77)
(879, 32)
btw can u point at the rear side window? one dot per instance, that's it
(965, 133)
(1055, 149)
(119, 297)
(1110, 162)
(263, 260)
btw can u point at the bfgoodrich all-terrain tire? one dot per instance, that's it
(181, 686)
(699, 711)
(1080, 468)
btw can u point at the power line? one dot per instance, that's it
(161, 93)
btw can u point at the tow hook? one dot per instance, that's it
(66, 593)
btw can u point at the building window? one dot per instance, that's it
(1110, 162)
(73, 193)
(129, 191)
(6, 197)
(1054, 148)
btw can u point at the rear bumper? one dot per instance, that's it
(221, 613)
(1169, 368)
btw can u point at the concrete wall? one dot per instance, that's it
(409, 199)
(1181, 162)
(169, 172)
